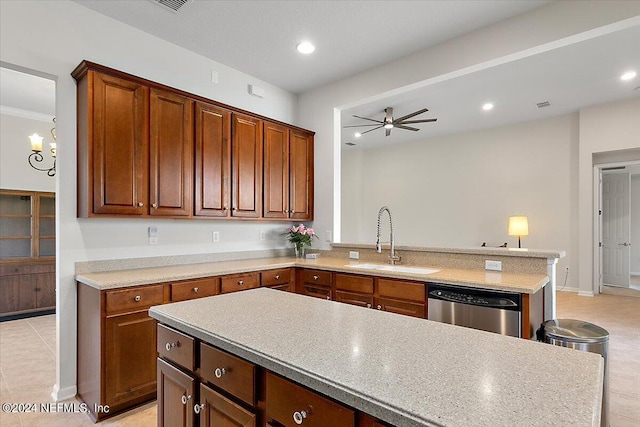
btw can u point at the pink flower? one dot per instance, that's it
(293, 229)
(310, 232)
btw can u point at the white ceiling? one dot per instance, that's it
(260, 37)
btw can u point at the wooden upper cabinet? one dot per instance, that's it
(300, 175)
(171, 154)
(246, 166)
(276, 171)
(113, 136)
(213, 148)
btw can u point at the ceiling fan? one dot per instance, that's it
(389, 122)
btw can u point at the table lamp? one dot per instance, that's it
(518, 226)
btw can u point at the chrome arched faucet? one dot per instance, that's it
(393, 258)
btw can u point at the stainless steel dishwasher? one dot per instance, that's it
(492, 311)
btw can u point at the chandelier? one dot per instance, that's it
(36, 147)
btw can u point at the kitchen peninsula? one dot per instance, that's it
(315, 360)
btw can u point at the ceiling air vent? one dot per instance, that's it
(350, 144)
(543, 104)
(174, 5)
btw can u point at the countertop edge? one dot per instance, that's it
(510, 252)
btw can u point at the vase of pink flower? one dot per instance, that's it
(300, 236)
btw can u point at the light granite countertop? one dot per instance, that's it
(513, 282)
(483, 250)
(405, 371)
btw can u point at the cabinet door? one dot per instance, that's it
(300, 175)
(401, 307)
(316, 291)
(46, 290)
(120, 146)
(176, 396)
(276, 171)
(361, 300)
(130, 358)
(213, 147)
(171, 154)
(246, 166)
(17, 293)
(216, 410)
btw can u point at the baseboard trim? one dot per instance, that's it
(59, 394)
(574, 290)
(585, 293)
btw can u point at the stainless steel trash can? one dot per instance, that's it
(583, 336)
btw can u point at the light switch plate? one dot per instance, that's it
(216, 236)
(493, 265)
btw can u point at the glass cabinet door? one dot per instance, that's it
(16, 226)
(47, 226)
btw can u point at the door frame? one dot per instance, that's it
(597, 219)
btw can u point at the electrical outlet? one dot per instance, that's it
(153, 241)
(354, 255)
(327, 236)
(493, 265)
(262, 235)
(152, 233)
(216, 236)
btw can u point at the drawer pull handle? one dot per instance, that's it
(299, 416)
(198, 408)
(137, 298)
(315, 277)
(219, 372)
(379, 307)
(195, 289)
(277, 277)
(185, 399)
(140, 204)
(171, 345)
(240, 282)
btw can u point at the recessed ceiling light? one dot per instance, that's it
(488, 106)
(306, 48)
(357, 134)
(628, 75)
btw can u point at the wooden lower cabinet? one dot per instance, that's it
(315, 283)
(27, 288)
(176, 391)
(282, 279)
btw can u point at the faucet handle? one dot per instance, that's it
(397, 259)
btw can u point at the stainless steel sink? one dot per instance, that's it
(394, 268)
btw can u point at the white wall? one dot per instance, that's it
(603, 128)
(634, 265)
(459, 190)
(15, 172)
(60, 35)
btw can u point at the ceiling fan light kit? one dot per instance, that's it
(389, 122)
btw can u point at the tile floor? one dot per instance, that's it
(27, 364)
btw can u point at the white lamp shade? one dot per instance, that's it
(36, 142)
(518, 226)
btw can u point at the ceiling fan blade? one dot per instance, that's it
(362, 133)
(406, 128)
(408, 116)
(418, 121)
(357, 126)
(389, 117)
(387, 132)
(366, 118)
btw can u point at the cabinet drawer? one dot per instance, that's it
(239, 282)
(286, 400)
(230, 373)
(276, 277)
(138, 298)
(317, 291)
(177, 347)
(349, 282)
(197, 288)
(401, 307)
(317, 276)
(15, 269)
(216, 410)
(402, 289)
(361, 300)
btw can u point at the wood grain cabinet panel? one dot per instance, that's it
(246, 166)
(239, 282)
(176, 347)
(276, 171)
(212, 158)
(354, 283)
(300, 175)
(195, 288)
(229, 373)
(282, 279)
(218, 411)
(176, 396)
(116, 141)
(171, 154)
(353, 298)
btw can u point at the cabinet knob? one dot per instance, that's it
(328, 297)
(299, 416)
(171, 345)
(219, 372)
(195, 289)
(197, 408)
(368, 305)
(240, 282)
(234, 209)
(140, 204)
(154, 206)
(224, 208)
(286, 211)
(137, 298)
(185, 399)
(292, 211)
(379, 307)
(277, 277)
(315, 277)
